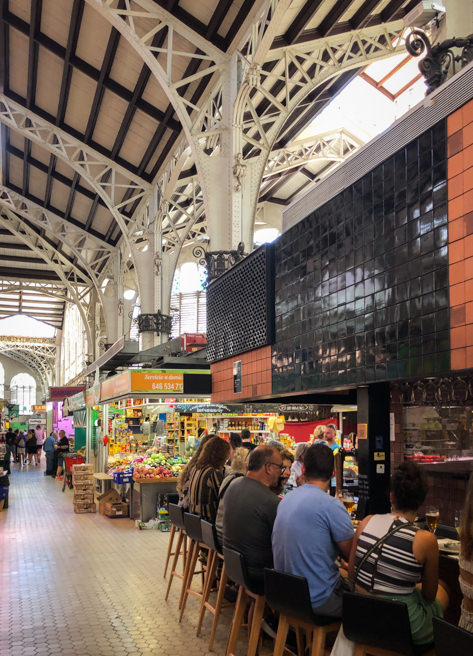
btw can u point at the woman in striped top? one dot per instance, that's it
(207, 477)
(404, 567)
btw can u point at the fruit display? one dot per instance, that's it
(152, 465)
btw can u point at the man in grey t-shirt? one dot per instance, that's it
(250, 511)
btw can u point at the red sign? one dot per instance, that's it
(193, 341)
(58, 393)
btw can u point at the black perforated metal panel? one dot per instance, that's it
(240, 307)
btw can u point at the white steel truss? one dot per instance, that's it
(331, 147)
(291, 73)
(39, 354)
(77, 285)
(93, 254)
(139, 23)
(118, 188)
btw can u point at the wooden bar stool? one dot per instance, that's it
(289, 596)
(236, 571)
(194, 532)
(177, 518)
(177, 524)
(379, 627)
(209, 538)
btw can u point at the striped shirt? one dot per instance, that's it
(392, 567)
(204, 486)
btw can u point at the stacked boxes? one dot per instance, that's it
(83, 483)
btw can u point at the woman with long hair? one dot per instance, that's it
(394, 558)
(466, 559)
(183, 480)
(207, 477)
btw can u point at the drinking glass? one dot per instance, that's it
(348, 501)
(457, 521)
(432, 517)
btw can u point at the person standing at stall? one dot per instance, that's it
(39, 434)
(49, 447)
(62, 447)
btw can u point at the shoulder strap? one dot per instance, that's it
(379, 543)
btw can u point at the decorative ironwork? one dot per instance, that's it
(159, 323)
(439, 58)
(240, 307)
(217, 262)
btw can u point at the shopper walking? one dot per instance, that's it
(39, 434)
(21, 448)
(10, 438)
(31, 447)
(49, 447)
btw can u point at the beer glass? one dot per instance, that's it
(432, 517)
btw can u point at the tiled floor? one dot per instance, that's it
(86, 585)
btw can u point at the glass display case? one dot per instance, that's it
(439, 434)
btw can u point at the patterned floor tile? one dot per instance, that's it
(91, 586)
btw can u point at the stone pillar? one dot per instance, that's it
(374, 449)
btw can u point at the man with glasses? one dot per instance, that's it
(250, 510)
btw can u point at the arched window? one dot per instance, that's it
(188, 300)
(2, 382)
(23, 392)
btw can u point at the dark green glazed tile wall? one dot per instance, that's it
(361, 284)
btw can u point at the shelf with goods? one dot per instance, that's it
(182, 432)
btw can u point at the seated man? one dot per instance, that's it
(311, 530)
(250, 509)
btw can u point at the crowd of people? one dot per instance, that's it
(26, 448)
(274, 508)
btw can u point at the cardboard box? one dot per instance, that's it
(116, 509)
(111, 496)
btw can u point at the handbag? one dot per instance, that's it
(379, 543)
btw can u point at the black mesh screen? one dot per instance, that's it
(240, 307)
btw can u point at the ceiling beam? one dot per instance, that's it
(304, 15)
(84, 67)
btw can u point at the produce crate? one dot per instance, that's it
(77, 468)
(123, 476)
(82, 478)
(82, 507)
(116, 509)
(83, 486)
(83, 495)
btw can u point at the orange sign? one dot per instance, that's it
(39, 408)
(92, 396)
(115, 386)
(157, 381)
(362, 431)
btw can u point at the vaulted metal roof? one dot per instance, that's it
(87, 128)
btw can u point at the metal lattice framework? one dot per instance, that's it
(214, 95)
(332, 148)
(75, 285)
(37, 354)
(117, 187)
(93, 255)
